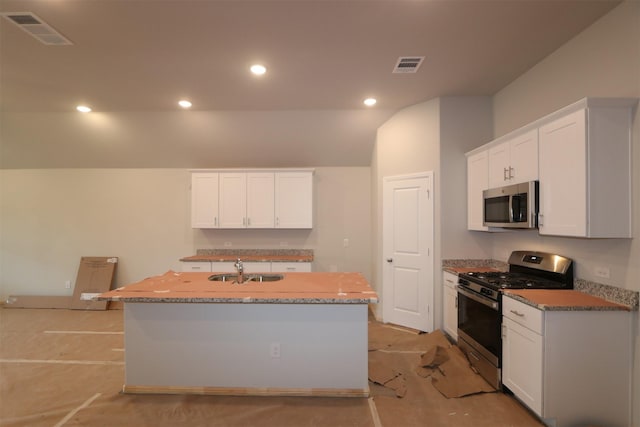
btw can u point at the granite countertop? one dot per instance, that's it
(457, 266)
(586, 295)
(564, 300)
(294, 288)
(253, 255)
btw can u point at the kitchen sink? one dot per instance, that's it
(233, 278)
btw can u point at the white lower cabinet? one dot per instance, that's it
(289, 267)
(450, 304)
(196, 266)
(249, 267)
(569, 367)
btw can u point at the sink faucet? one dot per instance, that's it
(240, 269)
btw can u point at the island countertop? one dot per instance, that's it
(294, 288)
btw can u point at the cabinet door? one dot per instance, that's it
(499, 165)
(233, 200)
(204, 200)
(294, 199)
(260, 200)
(284, 267)
(477, 181)
(523, 165)
(522, 363)
(563, 176)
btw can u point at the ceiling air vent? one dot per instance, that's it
(408, 64)
(35, 26)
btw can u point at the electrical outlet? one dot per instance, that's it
(227, 244)
(602, 271)
(274, 350)
(345, 243)
(67, 284)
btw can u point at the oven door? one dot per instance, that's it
(479, 333)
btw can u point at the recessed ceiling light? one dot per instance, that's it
(184, 103)
(258, 69)
(370, 102)
(83, 109)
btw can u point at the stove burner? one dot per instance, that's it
(510, 280)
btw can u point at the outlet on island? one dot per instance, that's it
(274, 349)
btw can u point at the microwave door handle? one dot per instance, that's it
(511, 217)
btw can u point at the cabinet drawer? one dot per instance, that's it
(449, 280)
(196, 266)
(284, 267)
(523, 314)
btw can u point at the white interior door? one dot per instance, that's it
(408, 277)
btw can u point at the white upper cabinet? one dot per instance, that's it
(260, 200)
(252, 199)
(246, 200)
(585, 172)
(514, 161)
(581, 156)
(294, 199)
(233, 200)
(204, 200)
(477, 182)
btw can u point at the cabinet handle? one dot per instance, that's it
(277, 221)
(511, 176)
(449, 280)
(504, 174)
(456, 301)
(540, 222)
(389, 259)
(215, 221)
(248, 221)
(517, 313)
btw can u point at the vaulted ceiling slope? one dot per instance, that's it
(143, 56)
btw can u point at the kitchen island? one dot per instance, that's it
(303, 335)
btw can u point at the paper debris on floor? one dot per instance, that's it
(439, 361)
(380, 372)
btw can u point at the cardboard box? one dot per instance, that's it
(95, 276)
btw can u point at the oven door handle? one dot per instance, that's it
(482, 300)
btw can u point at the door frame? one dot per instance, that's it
(429, 229)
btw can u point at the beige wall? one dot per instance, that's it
(432, 136)
(52, 217)
(603, 61)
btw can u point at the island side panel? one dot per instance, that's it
(182, 345)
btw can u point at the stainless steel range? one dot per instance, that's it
(480, 304)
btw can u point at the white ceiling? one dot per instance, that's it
(143, 55)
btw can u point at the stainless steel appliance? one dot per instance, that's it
(480, 304)
(513, 206)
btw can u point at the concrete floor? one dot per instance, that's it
(65, 368)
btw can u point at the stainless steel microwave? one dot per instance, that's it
(512, 206)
